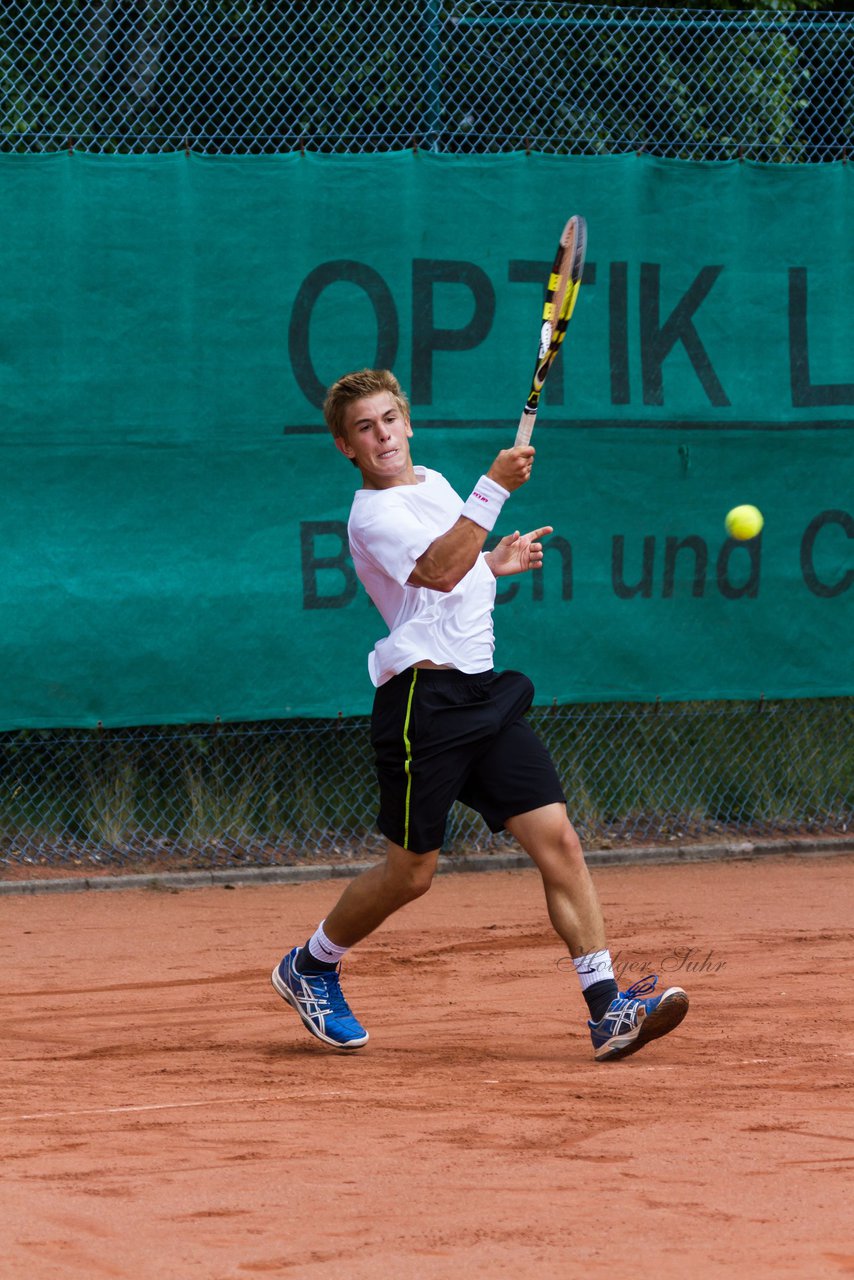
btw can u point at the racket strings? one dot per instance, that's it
(562, 290)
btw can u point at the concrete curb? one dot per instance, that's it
(628, 857)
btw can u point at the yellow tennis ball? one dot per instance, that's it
(744, 522)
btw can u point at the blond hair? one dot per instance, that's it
(356, 386)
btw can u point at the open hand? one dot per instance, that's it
(518, 552)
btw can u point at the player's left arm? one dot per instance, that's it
(518, 552)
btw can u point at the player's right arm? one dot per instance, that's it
(450, 557)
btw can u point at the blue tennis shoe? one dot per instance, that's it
(319, 1001)
(632, 1019)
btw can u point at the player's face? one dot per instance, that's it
(376, 437)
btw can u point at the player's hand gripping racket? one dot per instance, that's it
(563, 286)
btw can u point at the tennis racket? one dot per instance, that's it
(561, 294)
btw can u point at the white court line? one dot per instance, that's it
(163, 1106)
(744, 1062)
(219, 1102)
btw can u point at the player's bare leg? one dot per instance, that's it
(621, 1023)
(377, 893)
(308, 977)
(550, 840)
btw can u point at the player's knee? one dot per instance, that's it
(411, 876)
(408, 888)
(569, 855)
(419, 884)
(572, 850)
(420, 878)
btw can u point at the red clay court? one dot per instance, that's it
(164, 1114)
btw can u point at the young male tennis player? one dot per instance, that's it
(445, 725)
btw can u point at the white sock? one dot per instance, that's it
(594, 967)
(322, 949)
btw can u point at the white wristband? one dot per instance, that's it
(484, 502)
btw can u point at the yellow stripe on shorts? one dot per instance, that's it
(408, 765)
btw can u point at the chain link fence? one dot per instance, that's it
(469, 76)
(285, 792)
(257, 77)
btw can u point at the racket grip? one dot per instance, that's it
(526, 427)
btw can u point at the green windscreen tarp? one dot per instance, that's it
(173, 512)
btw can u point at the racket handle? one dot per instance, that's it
(526, 427)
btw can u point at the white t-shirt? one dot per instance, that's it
(388, 530)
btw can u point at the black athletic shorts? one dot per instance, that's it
(441, 736)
